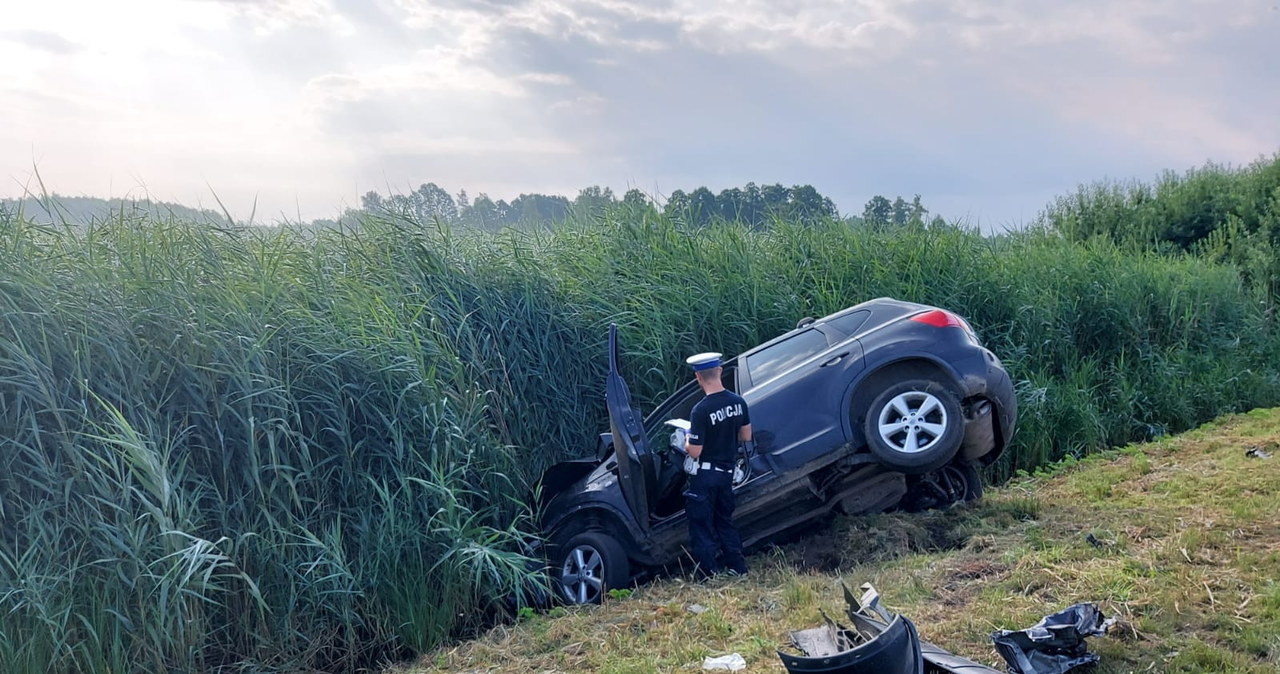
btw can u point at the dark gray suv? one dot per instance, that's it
(886, 404)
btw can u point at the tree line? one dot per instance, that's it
(85, 210)
(758, 206)
(755, 205)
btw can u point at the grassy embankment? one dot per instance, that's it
(273, 449)
(1185, 552)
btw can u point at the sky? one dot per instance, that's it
(988, 109)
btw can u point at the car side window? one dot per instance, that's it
(784, 355)
(850, 323)
(682, 407)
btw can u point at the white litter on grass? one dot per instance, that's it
(697, 609)
(732, 662)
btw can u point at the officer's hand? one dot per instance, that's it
(679, 438)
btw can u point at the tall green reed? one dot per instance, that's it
(282, 449)
(195, 423)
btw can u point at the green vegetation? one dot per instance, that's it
(1177, 539)
(1220, 212)
(311, 448)
(227, 447)
(753, 205)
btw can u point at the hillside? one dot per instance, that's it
(1177, 538)
(61, 209)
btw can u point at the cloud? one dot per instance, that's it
(41, 39)
(965, 99)
(406, 143)
(589, 104)
(269, 17)
(555, 79)
(438, 69)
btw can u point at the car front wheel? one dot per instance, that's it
(588, 565)
(914, 426)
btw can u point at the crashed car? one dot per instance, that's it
(886, 404)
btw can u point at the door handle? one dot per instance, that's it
(835, 359)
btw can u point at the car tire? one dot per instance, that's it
(956, 482)
(587, 566)
(972, 478)
(914, 426)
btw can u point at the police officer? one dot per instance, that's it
(717, 424)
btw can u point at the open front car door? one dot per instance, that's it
(636, 472)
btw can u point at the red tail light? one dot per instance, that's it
(940, 319)
(945, 319)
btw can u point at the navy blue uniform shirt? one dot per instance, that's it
(714, 424)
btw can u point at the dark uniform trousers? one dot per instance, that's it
(709, 507)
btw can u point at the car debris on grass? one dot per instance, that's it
(1056, 643)
(879, 642)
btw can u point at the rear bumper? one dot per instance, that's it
(991, 411)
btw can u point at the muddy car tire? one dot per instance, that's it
(914, 426)
(587, 566)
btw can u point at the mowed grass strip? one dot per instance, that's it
(1178, 539)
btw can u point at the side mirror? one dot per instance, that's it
(604, 447)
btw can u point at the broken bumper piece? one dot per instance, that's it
(879, 642)
(1054, 645)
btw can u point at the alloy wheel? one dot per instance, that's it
(581, 575)
(913, 422)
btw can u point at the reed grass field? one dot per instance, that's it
(280, 449)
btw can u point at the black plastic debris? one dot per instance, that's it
(1054, 645)
(879, 642)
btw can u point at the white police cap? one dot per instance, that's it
(704, 361)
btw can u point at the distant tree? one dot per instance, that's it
(484, 213)
(878, 211)
(918, 211)
(678, 206)
(372, 202)
(634, 198)
(732, 203)
(428, 203)
(594, 201)
(899, 216)
(775, 198)
(431, 202)
(806, 204)
(752, 204)
(753, 208)
(537, 209)
(702, 205)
